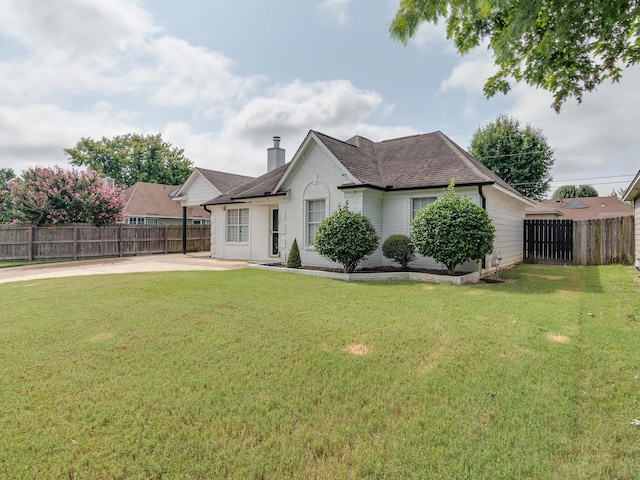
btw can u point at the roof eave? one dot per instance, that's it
(389, 188)
(229, 201)
(634, 189)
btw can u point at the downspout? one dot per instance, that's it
(184, 230)
(484, 207)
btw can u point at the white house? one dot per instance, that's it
(633, 195)
(387, 181)
(203, 185)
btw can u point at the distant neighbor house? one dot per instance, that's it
(152, 204)
(633, 195)
(581, 208)
(387, 181)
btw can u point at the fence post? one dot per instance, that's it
(30, 237)
(75, 241)
(120, 240)
(166, 239)
(201, 237)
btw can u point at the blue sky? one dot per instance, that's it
(220, 79)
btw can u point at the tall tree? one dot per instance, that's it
(6, 175)
(571, 191)
(521, 156)
(566, 47)
(48, 196)
(133, 158)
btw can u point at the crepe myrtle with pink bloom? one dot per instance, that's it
(52, 195)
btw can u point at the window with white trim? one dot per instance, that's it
(152, 221)
(238, 225)
(135, 220)
(315, 215)
(418, 203)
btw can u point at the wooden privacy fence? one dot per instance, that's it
(82, 241)
(548, 241)
(586, 242)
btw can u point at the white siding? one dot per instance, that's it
(199, 192)
(256, 249)
(508, 216)
(636, 211)
(372, 208)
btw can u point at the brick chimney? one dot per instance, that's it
(275, 155)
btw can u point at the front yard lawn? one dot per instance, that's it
(256, 374)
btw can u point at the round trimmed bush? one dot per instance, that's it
(453, 230)
(399, 249)
(346, 237)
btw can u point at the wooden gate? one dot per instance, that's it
(548, 241)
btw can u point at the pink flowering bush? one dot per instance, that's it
(48, 196)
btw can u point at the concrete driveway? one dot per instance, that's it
(146, 263)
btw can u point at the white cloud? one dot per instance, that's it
(336, 108)
(37, 134)
(429, 34)
(94, 47)
(301, 106)
(76, 27)
(471, 73)
(186, 75)
(336, 10)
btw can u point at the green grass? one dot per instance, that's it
(244, 374)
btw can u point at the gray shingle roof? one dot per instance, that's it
(257, 187)
(418, 161)
(224, 181)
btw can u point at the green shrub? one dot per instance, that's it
(400, 249)
(346, 237)
(293, 261)
(453, 230)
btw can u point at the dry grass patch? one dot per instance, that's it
(358, 349)
(100, 337)
(557, 338)
(546, 277)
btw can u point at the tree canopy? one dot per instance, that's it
(566, 47)
(453, 230)
(6, 174)
(133, 158)
(571, 191)
(521, 156)
(48, 196)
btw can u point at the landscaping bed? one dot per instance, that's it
(381, 273)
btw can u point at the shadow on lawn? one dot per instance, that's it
(553, 278)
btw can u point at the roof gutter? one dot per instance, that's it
(390, 188)
(241, 199)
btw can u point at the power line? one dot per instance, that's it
(562, 116)
(596, 178)
(557, 117)
(531, 152)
